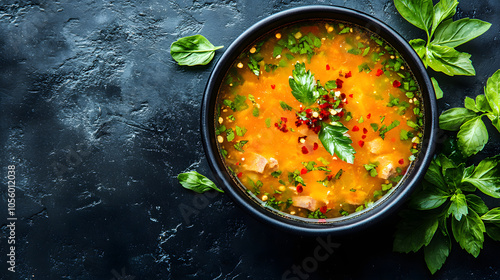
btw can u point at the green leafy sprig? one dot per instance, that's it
(193, 50)
(468, 121)
(447, 198)
(194, 181)
(443, 35)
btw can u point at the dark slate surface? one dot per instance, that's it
(99, 120)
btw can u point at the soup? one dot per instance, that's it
(319, 119)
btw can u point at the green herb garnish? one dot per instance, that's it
(193, 50)
(194, 181)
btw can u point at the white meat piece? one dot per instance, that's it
(386, 167)
(255, 162)
(305, 202)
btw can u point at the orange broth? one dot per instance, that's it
(267, 144)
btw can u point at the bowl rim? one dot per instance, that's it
(286, 17)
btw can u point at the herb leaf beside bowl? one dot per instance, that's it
(193, 50)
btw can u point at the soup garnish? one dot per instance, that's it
(319, 119)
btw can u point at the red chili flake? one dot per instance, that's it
(401, 161)
(351, 95)
(361, 143)
(327, 67)
(240, 174)
(355, 128)
(348, 75)
(300, 189)
(396, 83)
(303, 171)
(379, 72)
(273, 86)
(283, 119)
(305, 150)
(316, 129)
(323, 209)
(329, 177)
(342, 96)
(363, 137)
(339, 83)
(368, 116)
(341, 114)
(365, 131)
(238, 163)
(315, 146)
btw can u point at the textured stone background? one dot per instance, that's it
(99, 120)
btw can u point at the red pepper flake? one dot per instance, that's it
(348, 75)
(401, 161)
(323, 209)
(368, 116)
(303, 171)
(342, 96)
(329, 177)
(238, 163)
(361, 143)
(273, 86)
(351, 95)
(240, 174)
(300, 189)
(315, 146)
(363, 137)
(396, 83)
(365, 131)
(355, 128)
(327, 67)
(379, 72)
(283, 119)
(339, 83)
(305, 150)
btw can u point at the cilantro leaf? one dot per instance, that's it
(335, 142)
(303, 85)
(194, 181)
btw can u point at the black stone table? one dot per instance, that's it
(98, 120)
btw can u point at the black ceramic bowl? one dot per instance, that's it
(384, 206)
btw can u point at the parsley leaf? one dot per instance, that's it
(303, 85)
(335, 142)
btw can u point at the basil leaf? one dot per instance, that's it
(493, 230)
(476, 204)
(430, 197)
(437, 89)
(303, 85)
(492, 216)
(442, 10)
(449, 61)
(454, 118)
(434, 175)
(193, 50)
(472, 136)
(492, 92)
(437, 251)
(469, 233)
(419, 46)
(415, 230)
(194, 181)
(418, 13)
(453, 175)
(335, 142)
(458, 206)
(454, 33)
(470, 104)
(482, 103)
(486, 176)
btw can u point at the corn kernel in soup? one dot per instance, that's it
(319, 120)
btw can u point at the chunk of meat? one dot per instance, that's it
(305, 202)
(255, 162)
(386, 167)
(378, 146)
(273, 163)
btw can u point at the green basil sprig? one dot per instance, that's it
(445, 199)
(193, 50)
(468, 121)
(443, 35)
(194, 181)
